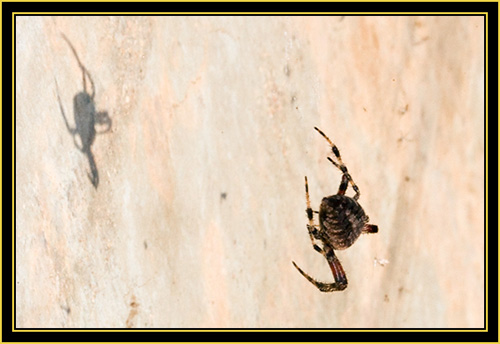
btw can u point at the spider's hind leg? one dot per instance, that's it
(311, 227)
(337, 270)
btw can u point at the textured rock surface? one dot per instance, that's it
(200, 205)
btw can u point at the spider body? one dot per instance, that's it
(341, 222)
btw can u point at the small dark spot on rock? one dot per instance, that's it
(407, 179)
(66, 309)
(133, 312)
(223, 195)
(145, 245)
(386, 298)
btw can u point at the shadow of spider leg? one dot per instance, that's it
(94, 174)
(72, 131)
(103, 121)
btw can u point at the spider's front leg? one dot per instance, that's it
(337, 270)
(343, 185)
(340, 165)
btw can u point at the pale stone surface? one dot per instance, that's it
(200, 205)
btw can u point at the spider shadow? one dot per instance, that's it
(88, 121)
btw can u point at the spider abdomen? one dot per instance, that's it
(341, 220)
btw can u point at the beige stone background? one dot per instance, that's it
(200, 208)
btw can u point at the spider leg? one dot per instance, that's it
(345, 178)
(343, 185)
(340, 165)
(311, 227)
(337, 270)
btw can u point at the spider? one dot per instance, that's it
(341, 222)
